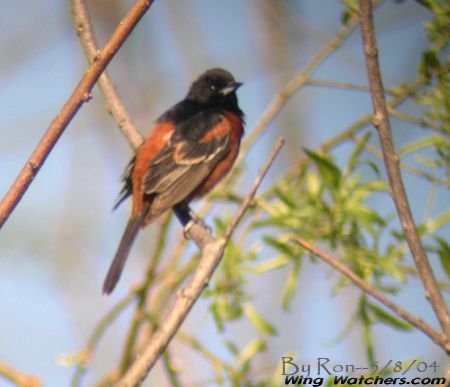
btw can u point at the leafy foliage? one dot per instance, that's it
(323, 203)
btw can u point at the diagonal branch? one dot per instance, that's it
(300, 79)
(17, 377)
(417, 322)
(391, 160)
(248, 200)
(80, 95)
(113, 102)
(212, 253)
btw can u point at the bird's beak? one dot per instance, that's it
(230, 88)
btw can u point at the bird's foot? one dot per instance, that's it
(195, 219)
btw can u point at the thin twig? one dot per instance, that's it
(339, 85)
(280, 99)
(248, 200)
(139, 312)
(113, 102)
(99, 331)
(18, 377)
(445, 286)
(107, 380)
(195, 344)
(405, 166)
(351, 131)
(414, 120)
(300, 79)
(171, 370)
(391, 160)
(403, 93)
(138, 370)
(212, 253)
(80, 95)
(417, 322)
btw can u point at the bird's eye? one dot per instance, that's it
(212, 87)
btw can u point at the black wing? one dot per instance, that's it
(185, 162)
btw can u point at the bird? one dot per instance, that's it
(191, 147)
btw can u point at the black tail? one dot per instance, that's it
(115, 270)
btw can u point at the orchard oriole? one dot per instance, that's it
(191, 147)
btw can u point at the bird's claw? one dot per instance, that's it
(187, 228)
(195, 219)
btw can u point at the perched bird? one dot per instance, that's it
(190, 148)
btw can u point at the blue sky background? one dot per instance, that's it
(56, 247)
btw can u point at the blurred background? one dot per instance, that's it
(57, 245)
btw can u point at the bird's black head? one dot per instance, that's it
(216, 87)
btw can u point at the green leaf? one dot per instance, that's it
(291, 283)
(353, 160)
(329, 172)
(426, 142)
(430, 61)
(367, 329)
(313, 183)
(231, 347)
(285, 197)
(271, 264)
(444, 254)
(262, 325)
(251, 350)
(345, 17)
(216, 316)
(366, 215)
(351, 4)
(426, 161)
(372, 165)
(273, 221)
(281, 246)
(388, 318)
(444, 257)
(376, 185)
(438, 222)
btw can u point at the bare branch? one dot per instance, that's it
(417, 322)
(196, 345)
(18, 377)
(405, 166)
(300, 79)
(248, 200)
(212, 253)
(391, 160)
(414, 120)
(80, 95)
(339, 85)
(446, 376)
(445, 286)
(113, 102)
